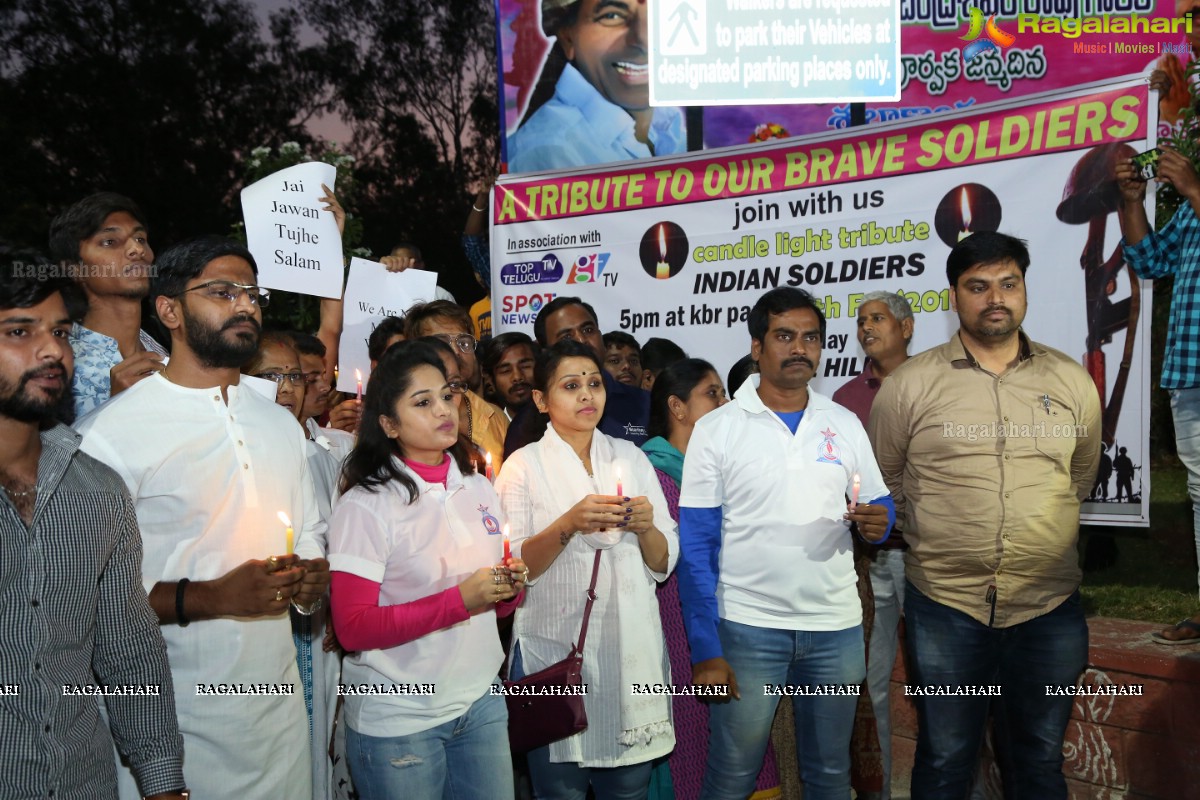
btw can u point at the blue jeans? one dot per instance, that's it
(463, 759)
(739, 729)
(1185, 412)
(570, 781)
(948, 648)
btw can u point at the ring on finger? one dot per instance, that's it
(278, 594)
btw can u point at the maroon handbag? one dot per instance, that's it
(548, 705)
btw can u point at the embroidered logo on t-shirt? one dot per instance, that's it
(827, 451)
(490, 523)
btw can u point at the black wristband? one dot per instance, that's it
(180, 619)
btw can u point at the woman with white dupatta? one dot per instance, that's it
(566, 496)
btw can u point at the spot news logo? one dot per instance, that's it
(993, 37)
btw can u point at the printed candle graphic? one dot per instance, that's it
(966, 209)
(663, 250)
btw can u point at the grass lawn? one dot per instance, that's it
(1154, 577)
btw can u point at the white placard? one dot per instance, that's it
(373, 293)
(295, 242)
(798, 51)
(268, 389)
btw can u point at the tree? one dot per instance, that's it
(416, 82)
(153, 99)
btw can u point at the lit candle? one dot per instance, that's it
(358, 375)
(620, 490)
(854, 487)
(507, 547)
(290, 534)
(487, 473)
(662, 269)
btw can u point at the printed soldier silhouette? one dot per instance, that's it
(1124, 469)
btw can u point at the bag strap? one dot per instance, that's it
(587, 609)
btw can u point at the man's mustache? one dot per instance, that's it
(242, 319)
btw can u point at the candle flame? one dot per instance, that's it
(965, 209)
(506, 530)
(284, 519)
(487, 459)
(662, 241)
(358, 375)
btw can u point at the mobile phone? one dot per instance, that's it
(1146, 164)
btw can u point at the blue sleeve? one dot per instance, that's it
(699, 547)
(886, 502)
(1158, 254)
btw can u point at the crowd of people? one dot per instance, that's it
(219, 575)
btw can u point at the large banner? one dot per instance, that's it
(682, 247)
(953, 57)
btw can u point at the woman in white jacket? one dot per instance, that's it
(566, 496)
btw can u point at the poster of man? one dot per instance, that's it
(590, 103)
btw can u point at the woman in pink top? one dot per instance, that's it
(419, 578)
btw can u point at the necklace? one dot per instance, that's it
(31, 490)
(470, 420)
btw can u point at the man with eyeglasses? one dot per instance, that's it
(103, 243)
(318, 392)
(210, 463)
(483, 423)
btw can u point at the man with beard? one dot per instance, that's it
(103, 242)
(509, 359)
(766, 573)
(76, 621)
(210, 462)
(989, 443)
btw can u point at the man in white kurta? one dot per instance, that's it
(209, 468)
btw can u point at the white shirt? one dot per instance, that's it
(549, 618)
(414, 550)
(786, 558)
(207, 480)
(337, 442)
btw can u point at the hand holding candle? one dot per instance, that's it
(290, 534)
(855, 485)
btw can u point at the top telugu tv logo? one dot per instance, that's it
(993, 37)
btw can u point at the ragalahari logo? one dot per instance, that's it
(994, 38)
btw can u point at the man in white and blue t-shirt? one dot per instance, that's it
(766, 571)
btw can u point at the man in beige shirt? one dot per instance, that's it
(988, 444)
